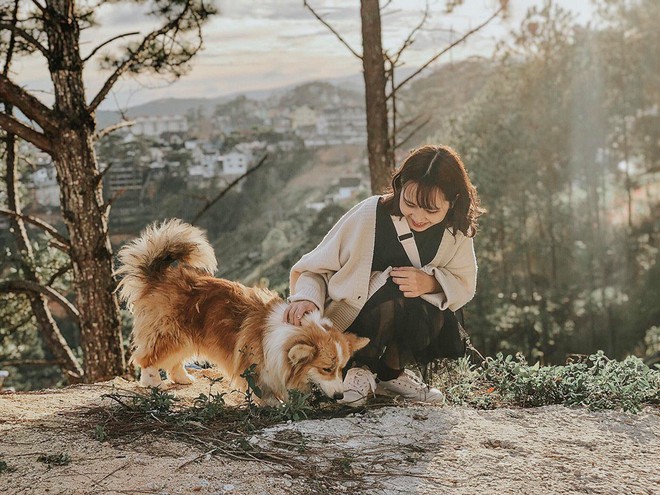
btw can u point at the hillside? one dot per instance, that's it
(398, 449)
(441, 97)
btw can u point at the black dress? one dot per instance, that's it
(403, 330)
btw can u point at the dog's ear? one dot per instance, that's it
(354, 342)
(301, 353)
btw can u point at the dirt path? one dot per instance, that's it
(390, 450)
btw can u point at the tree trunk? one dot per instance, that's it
(48, 328)
(81, 201)
(381, 158)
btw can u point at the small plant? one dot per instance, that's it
(4, 468)
(250, 376)
(297, 408)
(596, 382)
(59, 459)
(344, 464)
(158, 402)
(99, 433)
(207, 407)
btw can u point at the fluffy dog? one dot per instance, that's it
(181, 311)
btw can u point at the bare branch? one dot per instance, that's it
(411, 37)
(27, 37)
(390, 79)
(25, 132)
(93, 52)
(103, 173)
(39, 223)
(125, 65)
(410, 122)
(446, 49)
(112, 128)
(31, 362)
(64, 269)
(35, 288)
(10, 48)
(118, 194)
(210, 203)
(39, 6)
(412, 133)
(31, 107)
(13, 328)
(384, 6)
(339, 37)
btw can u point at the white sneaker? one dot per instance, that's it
(410, 386)
(358, 384)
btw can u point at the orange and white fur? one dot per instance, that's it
(181, 312)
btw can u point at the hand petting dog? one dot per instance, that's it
(295, 311)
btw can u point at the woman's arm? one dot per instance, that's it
(311, 274)
(457, 279)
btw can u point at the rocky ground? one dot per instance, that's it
(399, 449)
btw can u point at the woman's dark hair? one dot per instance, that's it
(432, 168)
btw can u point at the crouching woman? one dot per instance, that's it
(394, 269)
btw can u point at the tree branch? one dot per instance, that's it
(25, 132)
(93, 52)
(64, 269)
(385, 5)
(10, 50)
(39, 6)
(31, 107)
(27, 37)
(410, 39)
(125, 65)
(445, 50)
(41, 224)
(105, 207)
(112, 128)
(14, 328)
(33, 287)
(411, 134)
(339, 37)
(226, 190)
(32, 362)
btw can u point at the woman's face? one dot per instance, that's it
(420, 219)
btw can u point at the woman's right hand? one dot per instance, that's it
(295, 311)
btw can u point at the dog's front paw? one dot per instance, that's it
(150, 378)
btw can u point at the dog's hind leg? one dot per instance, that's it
(173, 364)
(178, 374)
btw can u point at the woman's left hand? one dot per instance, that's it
(413, 282)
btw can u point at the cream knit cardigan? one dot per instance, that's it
(337, 276)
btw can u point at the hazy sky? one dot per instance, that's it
(262, 44)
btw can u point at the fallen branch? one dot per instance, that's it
(226, 190)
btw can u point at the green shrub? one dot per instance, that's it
(597, 383)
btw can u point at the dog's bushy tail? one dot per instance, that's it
(147, 258)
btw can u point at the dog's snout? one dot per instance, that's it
(338, 396)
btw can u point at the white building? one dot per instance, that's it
(46, 189)
(347, 188)
(303, 116)
(210, 159)
(234, 163)
(342, 125)
(156, 125)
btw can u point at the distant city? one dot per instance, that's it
(210, 148)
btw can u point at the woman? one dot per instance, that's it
(361, 275)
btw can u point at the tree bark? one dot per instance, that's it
(381, 159)
(83, 210)
(50, 332)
